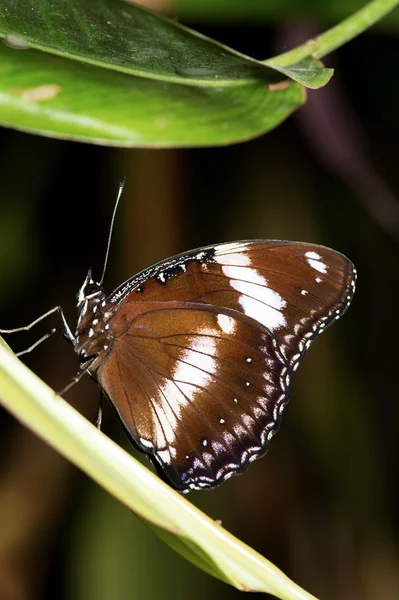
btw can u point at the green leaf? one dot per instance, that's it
(44, 94)
(109, 72)
(182, 526)
(123, 37)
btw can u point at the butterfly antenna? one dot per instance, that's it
(120, 190)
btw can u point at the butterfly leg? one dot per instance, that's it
(64, 329)
(77, 377)
(37, 343)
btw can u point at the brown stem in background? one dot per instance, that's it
(334, 134)
(152, 208)
(33, 490)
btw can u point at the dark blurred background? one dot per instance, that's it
(322, 505)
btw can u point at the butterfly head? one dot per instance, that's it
(90, 292)
(90, 336)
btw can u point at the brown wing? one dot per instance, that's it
(295, 290)
(199, 389)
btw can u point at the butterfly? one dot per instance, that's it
(196, 353)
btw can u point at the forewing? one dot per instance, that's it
(199, 389)
(295, 290)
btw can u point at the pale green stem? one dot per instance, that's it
(336, 36)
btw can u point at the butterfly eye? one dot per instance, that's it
(91, 289)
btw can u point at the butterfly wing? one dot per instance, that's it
(295, 290)
(204, 345)
(199, 389)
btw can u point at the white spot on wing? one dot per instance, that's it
(146, 443)
(227, 248)
(193, 371)
(257, 300)
(197, 363)
(164, 456)
(313, 255)
(226, 324)
(315, 261)
(168, 406)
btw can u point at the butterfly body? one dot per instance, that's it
(196, 353)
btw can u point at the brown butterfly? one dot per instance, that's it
(196, 353)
